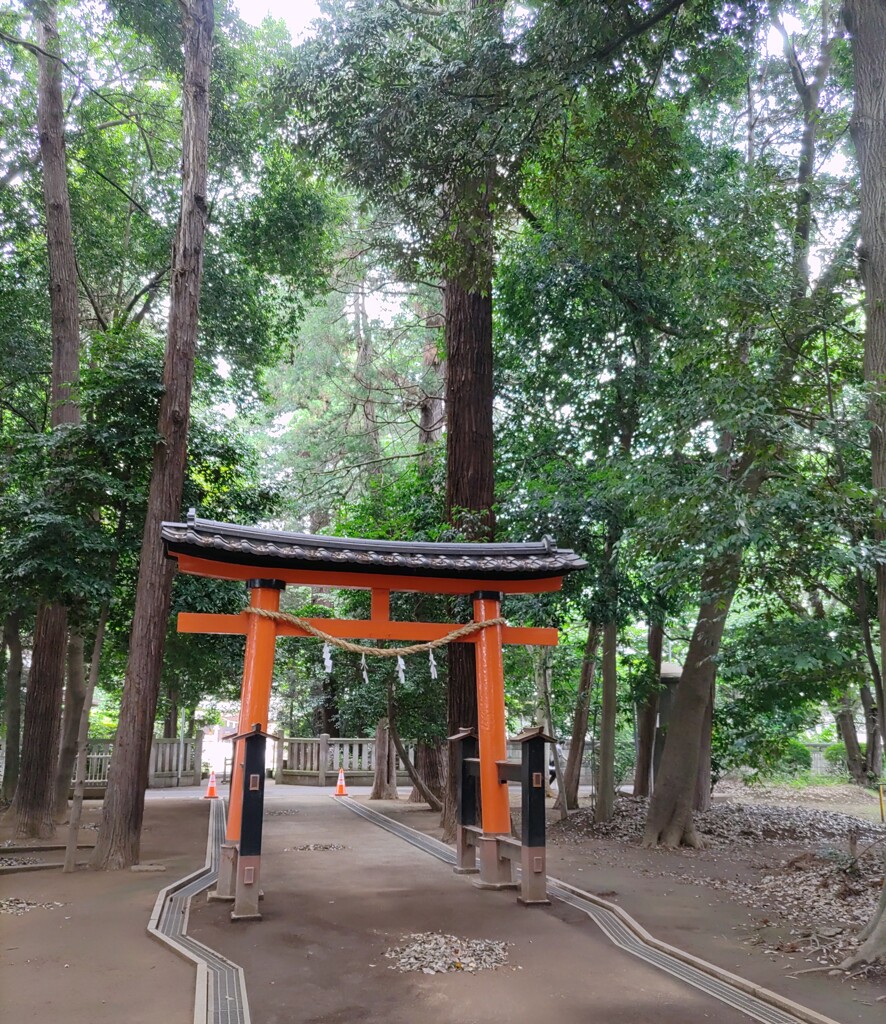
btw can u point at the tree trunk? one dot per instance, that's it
(418, 783)
(866, 22)
(75, 694)
(872, 936)
(703, 782)
(846, 725)
(384, 785)
(32, 805)
(13, 642)
(363, 375)
(604, 802)
(65, 323)
(431, 410)
(572, 774)
(83, 733)
(873, 756)
(461, 713)
(431, 766)
(469, 478)
(669, 821)
(470, 484)
(875, 717)
(118, 840)
(647, 713)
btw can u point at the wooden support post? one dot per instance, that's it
(495, 872)
(280, 739)
(533, 772)
(198, 757)
(247, 890)
(323, 755)
(465, 741)
(258, 670)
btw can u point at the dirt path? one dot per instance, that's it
(330, 915)
(704, 921)
(90, 961)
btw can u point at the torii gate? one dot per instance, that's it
(266, 560)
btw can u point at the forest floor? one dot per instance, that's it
(74, 947)
(775, 892)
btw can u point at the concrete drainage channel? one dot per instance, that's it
(618, 926)
(221, 987)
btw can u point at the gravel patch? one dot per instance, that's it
(14, 905)
(287, 813)
(437, 953)
(17, 862)
(310, 847)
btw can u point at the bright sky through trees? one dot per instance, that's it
(296, 13)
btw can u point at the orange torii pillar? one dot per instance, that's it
(495, 811)
(255, 696)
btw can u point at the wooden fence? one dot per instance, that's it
(173, 762)
(315, 760)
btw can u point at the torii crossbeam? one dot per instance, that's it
(268, 560)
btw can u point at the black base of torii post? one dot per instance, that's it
(247, 890)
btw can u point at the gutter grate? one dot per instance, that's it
(221, 986)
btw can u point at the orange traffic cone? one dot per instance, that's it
(211, 792)
(341, 789)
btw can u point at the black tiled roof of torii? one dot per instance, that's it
(253, 545)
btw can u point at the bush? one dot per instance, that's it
(835, 755)
(794, 759)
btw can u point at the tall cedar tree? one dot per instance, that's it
(866, 22)
(32, 806)
(119, 838)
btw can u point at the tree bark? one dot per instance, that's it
(604, 802)
(431, 766)
(866, 23)
(846, 725)
(384, 784)
(418, 783)
(470, 484)
(469, 478)
(118, 840)
(33, 800)
(873, 755)
(572, 774)
(13, 700)
(874, 715)
(703, 786)
(461, 713)
(431, 408)
(669, 821)
(83, 734)
(32, 805)
(647, 713)
(75, 694)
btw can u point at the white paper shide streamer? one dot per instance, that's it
(401, 670)
(364, 669)
(433, 663)
(327, 659)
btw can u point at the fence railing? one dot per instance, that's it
(173, 762)
(315, 760)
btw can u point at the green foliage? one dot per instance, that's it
(797, 758)
(836, 757)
